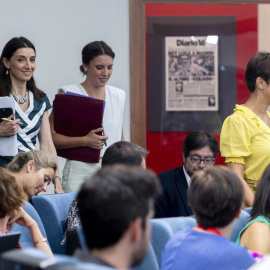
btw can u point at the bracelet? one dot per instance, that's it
(41, 241)
(56, 176)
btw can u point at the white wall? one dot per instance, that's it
(264, 27)
(59, 29)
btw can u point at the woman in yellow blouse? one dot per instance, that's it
(245, 135)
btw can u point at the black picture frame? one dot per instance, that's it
(160, 120)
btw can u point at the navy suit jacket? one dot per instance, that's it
(173, 202)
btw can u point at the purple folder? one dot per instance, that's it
(76, 116)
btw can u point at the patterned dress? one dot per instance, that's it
(30, 127)
(30, 119)
(73, 219)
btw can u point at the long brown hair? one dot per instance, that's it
(12, 195)
(5, 81)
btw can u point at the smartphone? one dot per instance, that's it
(5, 113)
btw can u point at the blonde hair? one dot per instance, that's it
(41, 159)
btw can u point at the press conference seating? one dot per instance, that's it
(239, 224)
(248, 210)
(53, 211)
(164, 228)
(33, 259)
(25, 238)
(76, 239)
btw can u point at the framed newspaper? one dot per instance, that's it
(151, 21)
(191, 73)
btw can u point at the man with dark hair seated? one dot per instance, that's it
(115, 206)
(121, 152)
(215, 196)
(200, 149)
(124, 152)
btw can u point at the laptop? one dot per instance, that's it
(9, 241)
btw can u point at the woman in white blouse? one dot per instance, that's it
(97, 66)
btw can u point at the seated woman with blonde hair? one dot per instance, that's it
(33, 171)
(11, 200)
(255, 236)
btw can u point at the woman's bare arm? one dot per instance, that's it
(24, 219)
(238, 168)
(257, 238)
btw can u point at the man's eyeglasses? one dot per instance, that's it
(206, 161)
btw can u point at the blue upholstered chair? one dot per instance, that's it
(25, 238)
(248, 210)
(33, 259)
(53, 211)
(164, 228)
(29, 258)
(161, 233)
(76, 239)
(239, 224)
(177, 224)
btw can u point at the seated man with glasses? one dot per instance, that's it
(199, 152)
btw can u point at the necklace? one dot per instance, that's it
(21, 101)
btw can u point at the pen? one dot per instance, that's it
(105, 143)
(9, 120)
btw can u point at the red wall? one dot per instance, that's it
(166, 147)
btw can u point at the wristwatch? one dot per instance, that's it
(56, 176)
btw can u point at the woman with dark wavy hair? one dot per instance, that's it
(17, 67)
(255, 235)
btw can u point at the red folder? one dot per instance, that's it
(75, 116)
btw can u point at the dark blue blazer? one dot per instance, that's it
(173, 202)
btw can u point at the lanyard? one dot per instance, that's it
(212, 230)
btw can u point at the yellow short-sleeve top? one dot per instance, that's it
(245, 139)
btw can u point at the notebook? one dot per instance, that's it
(8, 144)
(9, 241)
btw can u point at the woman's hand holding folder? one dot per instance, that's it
(78, 133)
(94, 140)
